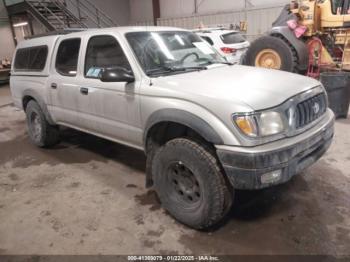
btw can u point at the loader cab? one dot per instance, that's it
(340, 7)
(334, 13)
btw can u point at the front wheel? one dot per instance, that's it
(190, 184)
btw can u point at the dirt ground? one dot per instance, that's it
(87, 196)
(5, 95)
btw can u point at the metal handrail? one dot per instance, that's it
(96, 15)
(102, 13)
(92, 19)
(71, 16)
(89, 11)
(48, 11)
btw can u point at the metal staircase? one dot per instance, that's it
(58, 15)
(90, 14)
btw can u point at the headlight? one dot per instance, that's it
(270, 123)
(260, 124)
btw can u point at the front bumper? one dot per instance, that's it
(245, 167)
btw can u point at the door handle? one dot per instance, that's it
(84, 90)
(54, 86)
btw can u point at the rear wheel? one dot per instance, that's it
(41, 133)
(273, 53)
(190, 184)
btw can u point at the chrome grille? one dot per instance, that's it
(310, 110)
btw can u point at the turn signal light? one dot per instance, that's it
(228, 50)
(247, 125)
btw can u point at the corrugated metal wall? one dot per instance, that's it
(259, 20)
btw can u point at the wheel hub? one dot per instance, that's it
(268, 58)
(184, 183)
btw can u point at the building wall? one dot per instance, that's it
(118, 10)
(126, 12)
(141, 11)
(259, 14)
(7, 45)
(259, 20)
(214, 6)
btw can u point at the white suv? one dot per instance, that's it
(229, 43)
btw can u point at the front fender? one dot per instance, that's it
(187, 119)
(299, 45)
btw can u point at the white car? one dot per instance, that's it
(229, 43)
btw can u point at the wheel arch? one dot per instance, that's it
(183, 118)
(29, 95)
(299, 46)
(167, 124)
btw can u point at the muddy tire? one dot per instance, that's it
(190, 184)
(272, 52)
(41, 133)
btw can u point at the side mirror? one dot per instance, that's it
(116, 75)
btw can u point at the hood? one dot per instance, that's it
(257, 88)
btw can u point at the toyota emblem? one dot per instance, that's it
(316, 108)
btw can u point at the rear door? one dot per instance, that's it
(63, 82)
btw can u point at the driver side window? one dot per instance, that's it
(104, 52)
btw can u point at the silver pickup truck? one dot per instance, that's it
(208, 127)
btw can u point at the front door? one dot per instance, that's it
(105, 108)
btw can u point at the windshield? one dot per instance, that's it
(161, 53)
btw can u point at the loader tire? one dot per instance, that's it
(272, 52)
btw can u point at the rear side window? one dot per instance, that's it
(104, 52)
(208, 39)
(31, 59)
(67, 57)
(232, 38)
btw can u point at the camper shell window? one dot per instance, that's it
(31, 58)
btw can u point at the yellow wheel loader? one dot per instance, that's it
(291, 46)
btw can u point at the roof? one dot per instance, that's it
(128, 29)
(218, 30)
(40, 41)
(52, 37)
(121, 29)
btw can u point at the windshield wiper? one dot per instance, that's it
(167, 69)
(189, 68)
(220, 62)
